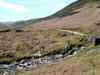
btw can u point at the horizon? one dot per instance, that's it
(21, 10)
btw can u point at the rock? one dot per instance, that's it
(5, 73)
(58, 57)
(20, 67)
(67, 45)
(82, 47)
(93, 39)
(38, 54)
(44, 59)
(75, 52)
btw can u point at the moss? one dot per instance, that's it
(21, 54)
(43, 52)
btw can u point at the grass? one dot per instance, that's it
(62, 39)
(54, 34)
(21, 54)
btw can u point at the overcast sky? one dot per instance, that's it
(15, 10)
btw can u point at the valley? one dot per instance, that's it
(64, 43)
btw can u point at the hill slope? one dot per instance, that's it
(78, 14)
(3, 26)
(7, 23)
(46, 35)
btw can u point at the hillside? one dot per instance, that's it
(77, 14)
(8, 23)
(59, 44)
(72, 8)
(24, 23)
(3, 26)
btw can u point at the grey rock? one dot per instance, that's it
(67, 45)
(38, 54)
(58, 57)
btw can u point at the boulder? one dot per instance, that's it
(94, 39)
(67, 45)
(58, 57)
(38, 54)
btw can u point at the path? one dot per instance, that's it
(73, 32)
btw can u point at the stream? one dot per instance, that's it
(33, 63)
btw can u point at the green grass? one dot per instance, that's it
(21, 54)
(54, 34)
(62, 39)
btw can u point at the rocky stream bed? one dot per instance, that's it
(33, 63)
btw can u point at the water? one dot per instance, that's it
(30, 64)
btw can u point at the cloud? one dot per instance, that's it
(12, 7)
(43, 0)
(7, 18)
(62, 4)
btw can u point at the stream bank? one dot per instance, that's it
(36, 62)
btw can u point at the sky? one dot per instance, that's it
(16, 10)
